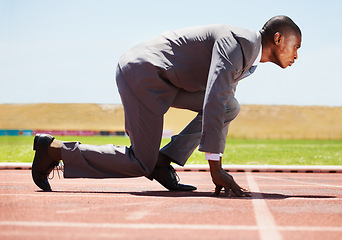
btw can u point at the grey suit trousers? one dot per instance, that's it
(145, 131)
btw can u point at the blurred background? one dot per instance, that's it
(63, 52)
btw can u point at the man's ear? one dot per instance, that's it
(277, 38)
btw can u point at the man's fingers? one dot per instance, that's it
(237, 191)
(246, 192)
(242, 189)
(224, 180)
(242, 193)
(226, 190)
(217, 190)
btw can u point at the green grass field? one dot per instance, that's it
(251, 152)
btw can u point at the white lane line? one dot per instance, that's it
(266, 224)
(302, 182)
(128, 225)
(162, 226)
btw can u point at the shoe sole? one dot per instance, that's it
(43, 183)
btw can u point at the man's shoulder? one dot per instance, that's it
(249, 40)
(245, 34)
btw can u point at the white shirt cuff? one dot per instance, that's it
(213, 156)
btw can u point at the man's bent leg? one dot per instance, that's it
(232, 111)
(181, 146)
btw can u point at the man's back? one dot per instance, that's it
(183, 56)
(156, 69)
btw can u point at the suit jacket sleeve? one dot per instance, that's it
(226, 64)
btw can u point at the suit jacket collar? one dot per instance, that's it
(250, 47)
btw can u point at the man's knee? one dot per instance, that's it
(232, 109)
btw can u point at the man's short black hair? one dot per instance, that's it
(282, 24)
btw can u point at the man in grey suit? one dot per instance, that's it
(196, 69)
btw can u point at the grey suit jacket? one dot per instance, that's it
(207, 58)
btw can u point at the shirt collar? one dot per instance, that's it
(257, 60)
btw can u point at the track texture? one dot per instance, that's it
(282, 206)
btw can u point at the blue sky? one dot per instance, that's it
(67, 51)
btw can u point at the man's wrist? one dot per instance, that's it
(215, 166)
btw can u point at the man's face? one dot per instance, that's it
(286, 50)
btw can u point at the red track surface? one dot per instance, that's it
(283, 206)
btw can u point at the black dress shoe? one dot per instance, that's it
(42, 163)
(167, 177)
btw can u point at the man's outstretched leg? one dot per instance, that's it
(93, 161)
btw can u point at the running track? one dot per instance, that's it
(282, 206)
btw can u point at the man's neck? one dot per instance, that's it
(266, 55)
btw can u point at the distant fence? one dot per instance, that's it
(16, 132)
(169, 133)
(20, 132)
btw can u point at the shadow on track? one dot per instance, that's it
(171, 194)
